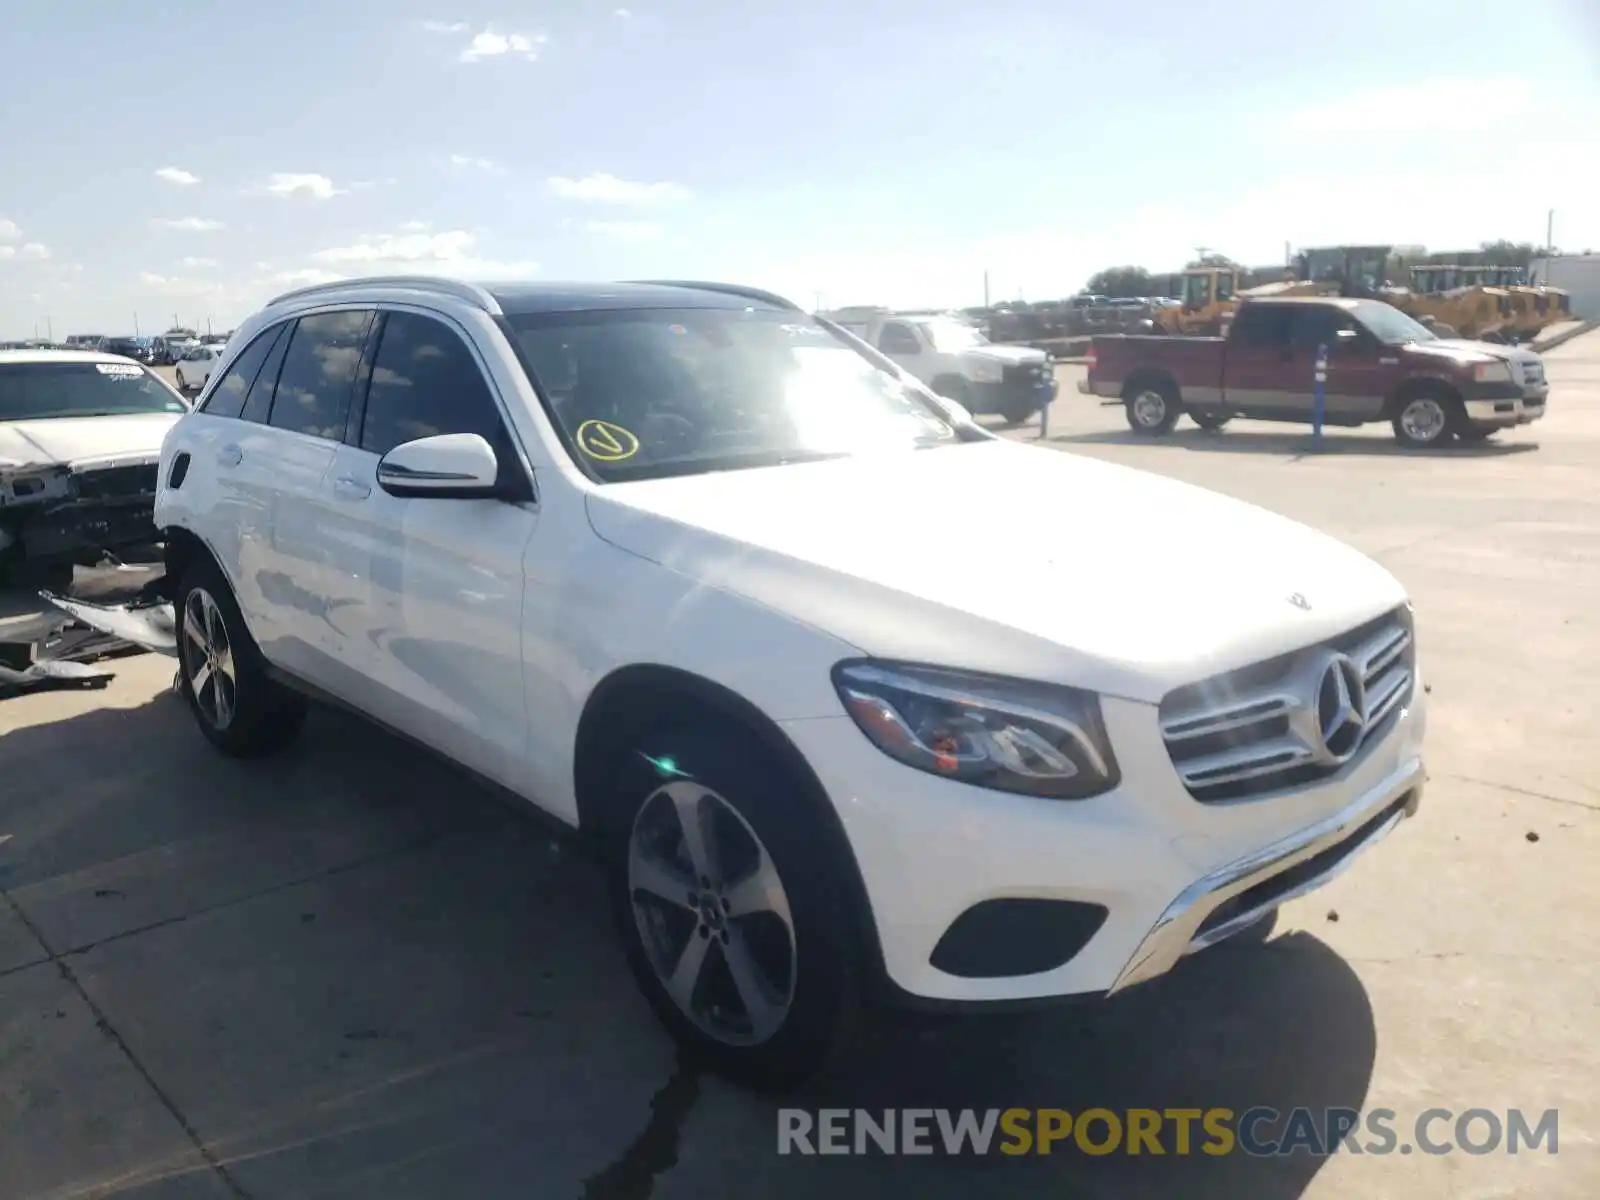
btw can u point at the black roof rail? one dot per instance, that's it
(727, 289)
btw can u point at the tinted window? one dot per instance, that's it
(1315, 325)
(259, 402)
(1261, 325)
(227, 398)
(897, 339)
(313, 392)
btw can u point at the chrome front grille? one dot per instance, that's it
(1294, 719)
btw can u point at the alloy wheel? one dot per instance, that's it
(208, 659)
(1424, 420)
(712, 914)
(1149, 409)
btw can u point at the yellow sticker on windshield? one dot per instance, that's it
(605, 442)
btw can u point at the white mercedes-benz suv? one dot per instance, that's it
(715, 584)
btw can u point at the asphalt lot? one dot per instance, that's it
(348, 973)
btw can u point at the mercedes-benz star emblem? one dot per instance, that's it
(1300, 602)
(1341, 707)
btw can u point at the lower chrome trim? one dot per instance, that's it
(1176, 933)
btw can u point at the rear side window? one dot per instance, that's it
(1314, 326)
(319, 367)
(897, 339)
(1261, 325)
(227, 398)
(259, 402)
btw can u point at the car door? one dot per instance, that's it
(1354, 389)
(1256, 379)
(899, 341)
(435, 639)
(290, 593)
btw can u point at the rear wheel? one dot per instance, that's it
(728, 905)
(222, 675)
(1426, 419)
(1152, 408)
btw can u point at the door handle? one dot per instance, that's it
(230, 456)
(348, 488)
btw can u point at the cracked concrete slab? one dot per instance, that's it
(76, 1118)
(18, 947)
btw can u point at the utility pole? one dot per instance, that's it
(1550, 232)
(135, 324)
(986, 289)
(49, 331)
(1288, 255)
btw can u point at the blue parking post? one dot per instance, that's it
(1320, 398)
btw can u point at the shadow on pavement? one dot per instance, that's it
(1296, 445)
(353, 973)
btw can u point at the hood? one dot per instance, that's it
(1004, 558)
(1006, 354)
(84, 440)
(1464, 350)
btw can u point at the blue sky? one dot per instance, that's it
(195, 158)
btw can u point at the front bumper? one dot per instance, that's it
(78, 512)
(1167, 869)
(1515, 407)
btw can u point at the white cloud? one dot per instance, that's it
(190, 260)
(290, 183)
(414, 226)
(630, 231)
(189, 224)
(481, 164)
(37, 251)
(489, 44)
(608, 189)
(10, 231)
(445, 26)
(451, 252)
(8, 252)
(622, 14)
(151, 279)
(178, 176)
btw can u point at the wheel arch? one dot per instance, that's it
(1419, 385)
(1145, 377)
(633, 698)
(180, 549)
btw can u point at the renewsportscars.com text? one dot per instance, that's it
(1260, 1132)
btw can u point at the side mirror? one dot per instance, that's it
(450, 466)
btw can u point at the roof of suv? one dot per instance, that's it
(516, 298)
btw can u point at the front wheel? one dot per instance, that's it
(727, 906)
(221, 673)
(182, 385)
(1152, 409)
(1426, 420)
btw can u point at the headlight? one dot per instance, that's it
(1492, 372)
(983, 370)
(1008, 734)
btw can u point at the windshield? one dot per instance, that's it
(949, 337)
(1391, 326)
(38, 391)
(645, 393)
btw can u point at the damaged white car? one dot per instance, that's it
(80, 436)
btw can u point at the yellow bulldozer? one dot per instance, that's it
(1460, 297)
(1206, 299)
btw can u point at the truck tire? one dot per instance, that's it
(1152, 407)
(953, 387)
(1427, 417)
(1017, 411)
(1210, 422)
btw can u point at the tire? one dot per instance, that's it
(797, 938)
(1017, 412)
(183, 388)
(1152, 408)
(1471, 436)
(953, 387)
(1210, 422)
(241, 711)
(1426, 419)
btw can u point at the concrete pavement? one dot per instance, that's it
(347, 972)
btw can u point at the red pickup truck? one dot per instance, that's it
(1381, 366)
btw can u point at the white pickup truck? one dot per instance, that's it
(957, 361)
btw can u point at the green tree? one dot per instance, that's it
(1210, 260)
(1507, 254)
(1121, 281)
